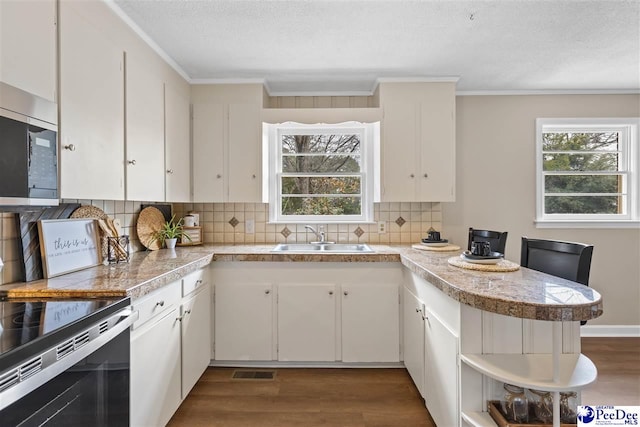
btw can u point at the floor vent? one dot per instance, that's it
(253, 375)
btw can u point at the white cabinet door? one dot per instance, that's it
(208, 152)
(418, 144)
(441, 382)
(196, 337)
(414, 339)
(145, 132)
(370, 323)
(399, 167)
(243, 321)
(307, 322)
(245, 153)
(155, 371)
(28, 46)
(91, 111)
(437, 144)
(177, 146)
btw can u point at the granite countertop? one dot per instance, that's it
(524, 293)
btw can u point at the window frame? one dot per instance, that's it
(369, 172)
(629, 156)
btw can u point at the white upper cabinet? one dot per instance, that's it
(145, 131)
(418, 141)
(28, 46)
(245, 153)
(208, 152)
(227, 143)
(177, 147)
(91, 110)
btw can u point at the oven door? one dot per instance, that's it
(93, 391)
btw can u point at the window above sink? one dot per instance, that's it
(325, 173)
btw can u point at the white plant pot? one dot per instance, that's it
(170, 243)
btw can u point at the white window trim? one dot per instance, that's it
(631, 219)
(272, 166)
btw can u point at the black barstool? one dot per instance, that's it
(569, 260)
(497, 239)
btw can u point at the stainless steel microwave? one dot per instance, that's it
(28, 148)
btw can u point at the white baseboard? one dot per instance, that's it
(627, 331)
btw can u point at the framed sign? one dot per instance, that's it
(68, 245)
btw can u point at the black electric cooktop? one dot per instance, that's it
(29, 326)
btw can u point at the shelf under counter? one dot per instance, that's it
(535, 370)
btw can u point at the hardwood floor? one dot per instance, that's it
(618, 363)
(305, 397)
(369, 397)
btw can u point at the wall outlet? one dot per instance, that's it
(382, 227)
(249, 226)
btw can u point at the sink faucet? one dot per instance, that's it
(319, 234)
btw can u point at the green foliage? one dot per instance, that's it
(323, 155)
(171, 230)
(581, 152)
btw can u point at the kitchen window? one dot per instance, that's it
(325, 173)
(587, 172)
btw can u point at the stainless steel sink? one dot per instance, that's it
(337, 248)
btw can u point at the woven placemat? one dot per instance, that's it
(150, 221)
(502, 265)
(448, 248)
(89, 211)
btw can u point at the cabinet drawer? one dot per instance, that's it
(156, 302)
(193, 281)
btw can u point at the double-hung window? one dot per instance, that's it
(587, 172)
(321, 173)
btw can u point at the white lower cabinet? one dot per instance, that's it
(155, 368)
(170, 348)
(307, 323)
(307, 312)
(243, 321)
(414, 335)
(367, 333)
(441, 371)
(196, 337)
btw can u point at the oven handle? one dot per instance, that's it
(118, 322)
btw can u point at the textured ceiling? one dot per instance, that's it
(344, 46)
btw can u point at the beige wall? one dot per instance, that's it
(496, 141)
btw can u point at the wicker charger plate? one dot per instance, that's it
(150, 221)
(89, 211)
(502, 265)
(448, 248)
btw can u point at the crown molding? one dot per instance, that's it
(548, 92)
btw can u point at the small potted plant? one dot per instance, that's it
(170, 232)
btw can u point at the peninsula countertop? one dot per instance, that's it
(523, 293)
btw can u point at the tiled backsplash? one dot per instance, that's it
(403, 222)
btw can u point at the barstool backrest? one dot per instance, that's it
(497, 239)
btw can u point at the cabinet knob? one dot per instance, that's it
(186, 312)
(70, 147)
(346, 293)
(160, 304)
(169, 170)
(426, 175)
(218, 176)
(198, 282)
(330, 292)
(418, 310)
(412, 176)
(132, 162)
(253, 176)
(267, 292)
